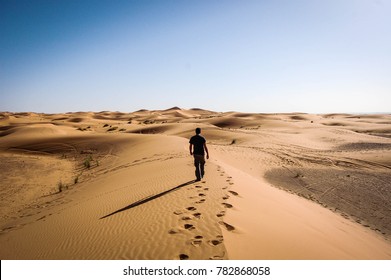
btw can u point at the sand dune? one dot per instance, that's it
(113, 185)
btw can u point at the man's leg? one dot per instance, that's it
(197, 166)
(199, 162)
(202, 165)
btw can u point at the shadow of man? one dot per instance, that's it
(149, 198)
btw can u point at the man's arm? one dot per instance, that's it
(206, 150)
(191, 149)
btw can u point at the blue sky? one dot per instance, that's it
(250, 56)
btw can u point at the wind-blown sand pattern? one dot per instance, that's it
(113, 185)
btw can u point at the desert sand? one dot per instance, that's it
(112, 185)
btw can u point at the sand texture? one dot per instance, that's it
(112, 185)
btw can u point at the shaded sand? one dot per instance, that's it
(112, 185)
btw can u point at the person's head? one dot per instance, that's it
(198, 130)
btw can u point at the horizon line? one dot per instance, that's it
(199, 109)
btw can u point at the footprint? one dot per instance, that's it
(196, 243)
(234, 193)
(183, 257)
(173, 231)
(189, 226)
(227, 226)
(197, 240)
(198, 187)
(224, 188)
(225, 197)
(217, 258)
(206, 189)
(221, 214)
(201, 194)
(197, 215)
(185, 218)
(178, 212)
(227, 205)
(215, 242)
(191, 208)
(201, 201)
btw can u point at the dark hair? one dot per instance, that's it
(198, 130)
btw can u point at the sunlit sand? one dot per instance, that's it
(113, 185)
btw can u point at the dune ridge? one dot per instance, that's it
(115, 185)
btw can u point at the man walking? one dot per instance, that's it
(197, 149)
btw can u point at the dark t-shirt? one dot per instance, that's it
(198, 141)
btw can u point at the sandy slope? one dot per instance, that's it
(72, 186)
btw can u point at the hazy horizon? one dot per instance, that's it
(205, 109)
(248, 56)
